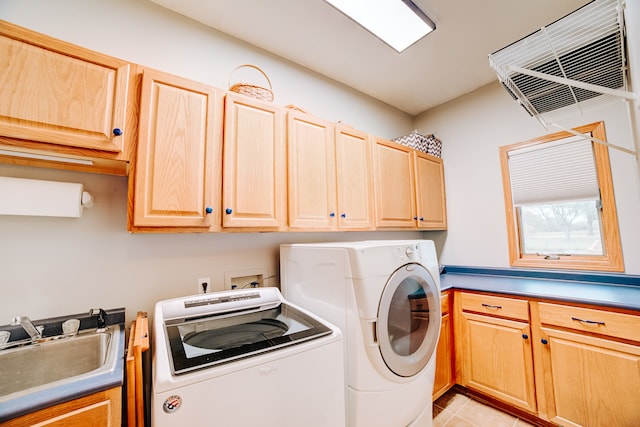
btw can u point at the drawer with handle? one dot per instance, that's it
(498, 306)
(602, 322)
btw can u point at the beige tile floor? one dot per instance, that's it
(454, 409)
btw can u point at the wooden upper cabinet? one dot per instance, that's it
(354, 176)
(56, 93)
(394, 185)
(430, 194)
(178, 167)
(311, 172)
(254, 175)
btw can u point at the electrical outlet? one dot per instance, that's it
(204, 285)
(244, 279)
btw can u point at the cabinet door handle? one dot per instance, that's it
(415, 218)
(544, 341)
(332, 214)
(496, 307)
(525, 336)
(228, 211)
(590, 322)
(117, 131)
(421, 218)
(343, 215)
(208, 210)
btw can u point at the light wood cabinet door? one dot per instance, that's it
(394, 185)
(354, 176)
(496, 358)
(254, 172)
(101, 409)
(311, 172)
(591, 381)
(430, 194)
(444, 376)
(178, 167)
(57, 93)
(443, 359)
(588, 365)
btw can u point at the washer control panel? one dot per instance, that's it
(409, 253)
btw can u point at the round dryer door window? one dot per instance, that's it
(409, 318)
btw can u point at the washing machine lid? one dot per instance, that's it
(409, 320)
(204, 342)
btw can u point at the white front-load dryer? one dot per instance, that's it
(385, 297)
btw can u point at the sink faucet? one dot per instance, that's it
(100, 315)
(29, 327)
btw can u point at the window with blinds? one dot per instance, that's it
(560, 203)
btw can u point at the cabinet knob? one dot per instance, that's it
(544, 341)
(208, 210)
(421, 218)
(343, 215)
(117, 131)
(332, 214)
(228, 211)
(415, 217)
(525, 336)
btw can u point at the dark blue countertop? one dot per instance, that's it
(608, 290)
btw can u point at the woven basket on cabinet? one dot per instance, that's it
(251, 90)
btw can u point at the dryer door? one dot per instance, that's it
(409, 318)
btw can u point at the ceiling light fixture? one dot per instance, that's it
(398, 23)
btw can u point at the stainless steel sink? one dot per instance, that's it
(65, 360)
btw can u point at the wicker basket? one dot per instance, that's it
(251, 90)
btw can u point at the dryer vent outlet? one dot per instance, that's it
(245, 279)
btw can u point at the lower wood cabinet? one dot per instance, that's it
(570, 365)
(589, 366)
(101, 409)
(493, 348)
(445, 372)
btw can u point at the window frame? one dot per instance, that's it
(612, 260)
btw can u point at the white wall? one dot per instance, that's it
(472, 128)
(57, 266)
(54, 266)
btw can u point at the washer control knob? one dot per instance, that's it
(409, 252)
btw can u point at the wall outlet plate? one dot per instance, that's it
(204, 285)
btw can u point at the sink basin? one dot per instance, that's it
(37, 376)
(35, 365)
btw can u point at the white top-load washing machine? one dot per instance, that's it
(385, 297)
(245, 358)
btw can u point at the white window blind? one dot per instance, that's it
(562, 170)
